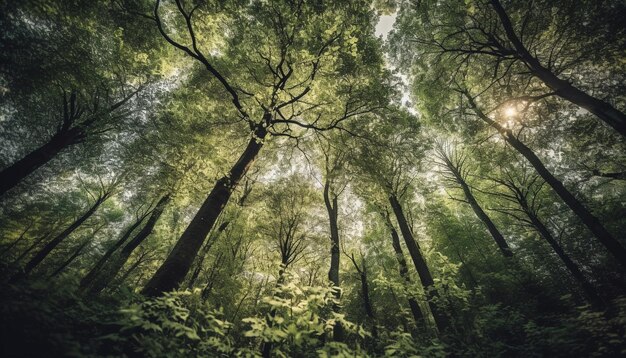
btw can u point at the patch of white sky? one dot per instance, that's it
(385, 24)
(383, 27)
(351, 205)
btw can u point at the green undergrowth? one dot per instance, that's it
(51, 319)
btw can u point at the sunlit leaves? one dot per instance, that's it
(300, 316)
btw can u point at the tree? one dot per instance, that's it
(285, 74)
(523, 190)
(403, 268)
(287, 231)
(77, 251)
(115, 264)
(92, 274)
(562, 88)
(538, 45)
(104, 194)
(590, 221)
(457, 172)
(267, 138)
(365, 291)
(332, 165)
(76, 95)
(402, 150)
(72, 130)
(420, 264)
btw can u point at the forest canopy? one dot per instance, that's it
(312, 178)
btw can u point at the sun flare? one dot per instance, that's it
(510, 112)
(299, 178)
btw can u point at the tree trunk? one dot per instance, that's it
(173, 271)
(108, 273)
(572, 267)
(331, 207)
(93, 273)
(333, 272)
(480, 213)
(70, 259)
(464, 264)
(18, 240)
(603, 110)
(590, 221)
(31, 247)
(365, 291)
(130, 270)
(365, 294)
(206, 291)
(41, 255)
(11, 176)
(420, 265)
(404, 271)
(205, 250)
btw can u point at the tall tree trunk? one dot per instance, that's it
(331, 207)
(93, 273)
(365, 293)
(206, 291)
(18, 240)
(564, 89)
(173, 271)
(404, 271)
(203, 253)
(480, 213)
(464, 264)
(69, 132)
(213, 237)
(111, 270)
(31, 247)
(71, 258)
(130, 270)
(333, 272)
(11, 176)
(590, 221)
(41, 255)
(420, 265)
(572, 267)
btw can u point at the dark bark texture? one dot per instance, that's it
(564, 89)
(93, 273)
(590, 292)
(478, 210)
(173, 271)
(330, 200)
(108, 273)
(13, 175)
(416, 311)
(441, 320)
(588, 219)
(43, 253)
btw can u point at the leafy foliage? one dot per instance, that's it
(275, 178)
